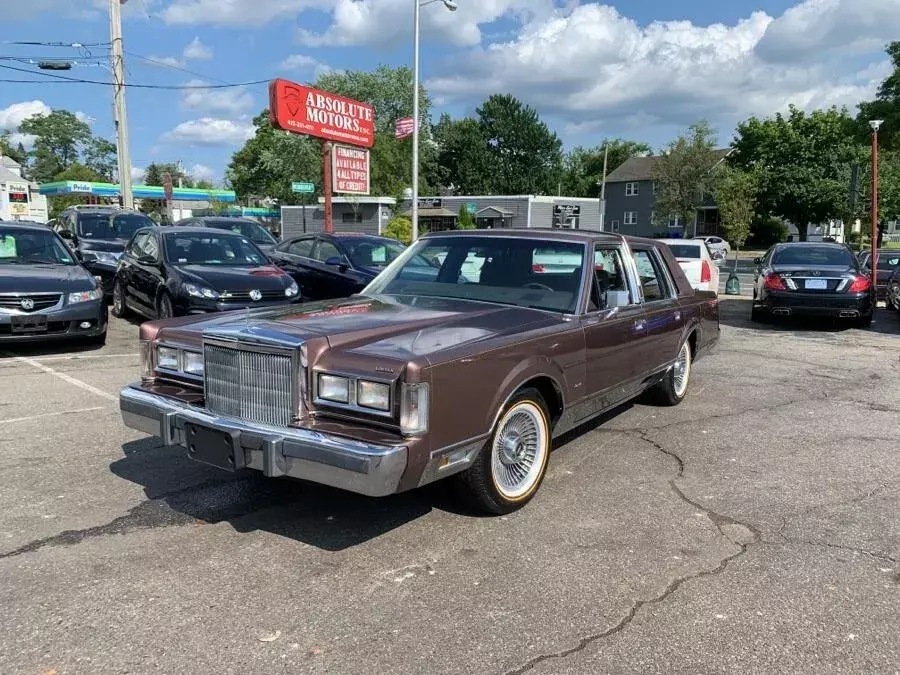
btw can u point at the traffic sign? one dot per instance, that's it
(303, 187)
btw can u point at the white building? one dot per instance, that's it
(19, 199)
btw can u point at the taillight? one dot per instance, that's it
(705, 273)
(538, 269)
(774, 282)
(860, 284)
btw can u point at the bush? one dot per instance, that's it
(766, 232)
(399, 228)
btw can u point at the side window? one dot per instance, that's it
(610, 287)
(326, 250)
(653, 279)
(151, 247)
(302, 248)
(137, 245)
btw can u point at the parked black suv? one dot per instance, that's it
(98, 235)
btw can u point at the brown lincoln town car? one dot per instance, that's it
(465, 357)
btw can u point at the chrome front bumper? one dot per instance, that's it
(364, 468)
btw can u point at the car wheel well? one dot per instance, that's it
(692, 341)
(551, 394)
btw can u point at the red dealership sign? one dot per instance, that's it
(350, 170)
(303, 110)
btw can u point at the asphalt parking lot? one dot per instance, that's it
(754, 528)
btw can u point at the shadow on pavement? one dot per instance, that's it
(735, 311)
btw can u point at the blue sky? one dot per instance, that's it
(642, 69)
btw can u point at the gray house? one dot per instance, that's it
(631, 201)
(365, 215)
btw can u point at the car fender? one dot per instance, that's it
(528, 369)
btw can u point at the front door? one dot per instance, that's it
(662, 310)
(614, 331)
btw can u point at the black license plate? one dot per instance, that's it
(28, 323)
(217, 448)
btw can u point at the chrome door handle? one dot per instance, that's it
(640, 324)
(678, 316)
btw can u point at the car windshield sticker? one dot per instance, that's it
(7, 246)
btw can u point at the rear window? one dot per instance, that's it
(685, 251)
(813, 255)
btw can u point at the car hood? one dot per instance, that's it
(383, 327)
(44, 279)
(221, 278)
(112, 245)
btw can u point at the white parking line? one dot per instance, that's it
(63, 376)
(52, 414)
(78, 357)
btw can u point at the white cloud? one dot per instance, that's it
(211, 131)
(210, 101)
(385, 22)
(236, 12)
(13, 115)
(196, 51)
(202, 172)
(137, 174)
(588, 65)
(27, 140)
(84, 117)
(300, 63)
(169, 61)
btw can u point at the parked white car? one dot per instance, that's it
(697, 263)
(717, 244)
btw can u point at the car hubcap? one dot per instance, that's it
(519, 450)
(682, 370)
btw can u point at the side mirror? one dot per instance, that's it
(336, 261)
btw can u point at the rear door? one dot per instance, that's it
(661, 308)
(295, 258)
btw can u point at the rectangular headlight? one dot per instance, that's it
(376, 395)
(414, 408)
(167, 357)
(334, 388)
(192, 363)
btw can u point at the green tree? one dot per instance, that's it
(886, 107)
(465, 221)
(16, 153)
(155, 173)
(101, 157)
(399, 228)
(525, 156)
(583, 167)
(803, 162)
(735, 192)
(685, 173)
(271, 160)
(462, 155)
(59, 139)
(889, 186)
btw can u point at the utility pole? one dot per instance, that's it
(603, 188)
(118, 70)
(873, 261)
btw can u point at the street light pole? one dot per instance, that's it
(873, 261)
(451, 6)
(121, 119)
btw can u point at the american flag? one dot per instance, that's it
(403, 128)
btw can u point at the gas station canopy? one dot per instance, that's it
(140, 191)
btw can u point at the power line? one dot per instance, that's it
(74, 45)
(157, 62)
(61, 79)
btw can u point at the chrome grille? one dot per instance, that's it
(249, 385)
(38, 301)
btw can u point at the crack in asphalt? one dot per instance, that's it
(840, 547)
(719, 520)
(231, 499)
(815, 507)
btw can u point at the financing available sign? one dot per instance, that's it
(350, 169)
(303, 110)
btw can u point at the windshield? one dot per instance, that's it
(111, 226)
(813, 255)
(685, 251)
(507, 270)
(371, 252)
(253, 231)
(203, 249)
(19, 246)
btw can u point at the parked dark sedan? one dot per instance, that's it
(888, 261)
(174, 271)
(328, 266)
(99, 234)
(44, 292)
(812, 279)
(893, 289)
(255, 232)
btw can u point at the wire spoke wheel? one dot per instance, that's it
(682, 370)
(519, 450)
